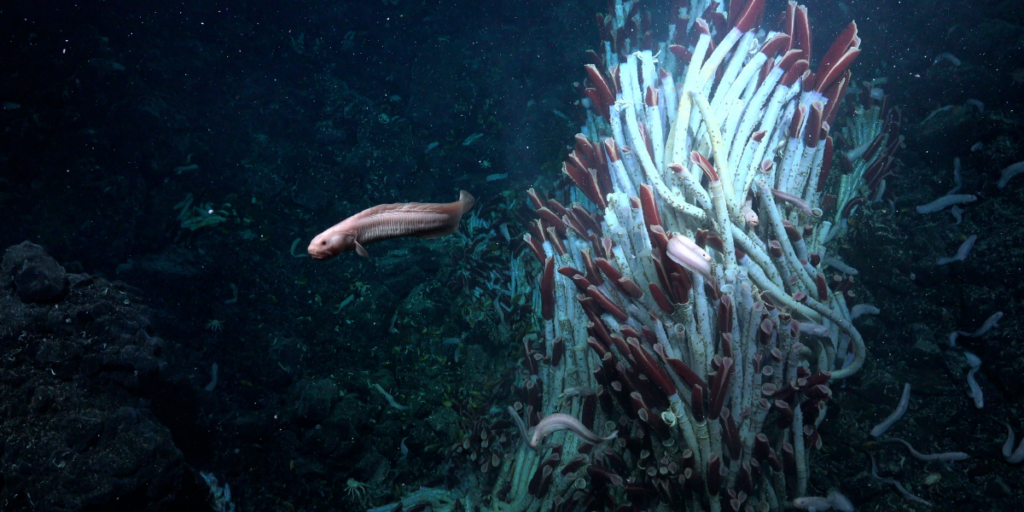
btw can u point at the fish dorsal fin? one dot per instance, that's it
(361, 251)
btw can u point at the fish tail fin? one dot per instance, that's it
(467, 201)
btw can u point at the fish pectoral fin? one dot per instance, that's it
(361, 251)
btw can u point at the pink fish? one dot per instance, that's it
(423, 220)
(558, 421)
